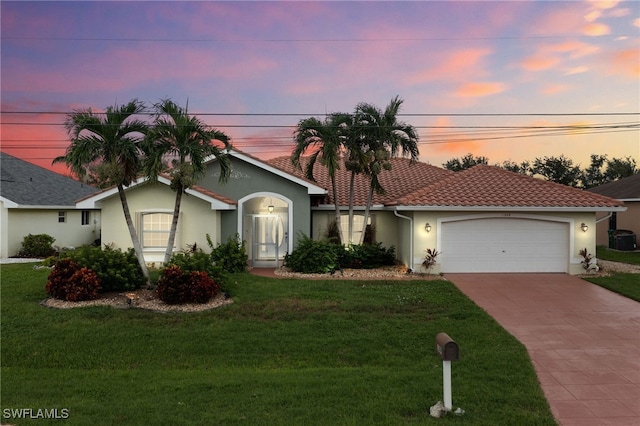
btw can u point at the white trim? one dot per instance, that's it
(8, 204)
(507, 215)
(91, 202)
(311, 188)
(272, 195)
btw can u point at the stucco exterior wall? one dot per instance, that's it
(247, 179)
(16, 223)
(196, 219)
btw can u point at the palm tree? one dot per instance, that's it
(328, 138)
(110, 141)
(187, 141)
(383, 137)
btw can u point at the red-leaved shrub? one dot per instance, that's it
(176, 287)
(69, 281)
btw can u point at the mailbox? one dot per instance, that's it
(447, 349)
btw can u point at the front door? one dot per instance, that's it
(269, 238)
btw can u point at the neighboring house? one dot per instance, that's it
(484, 219)
(626, 190)
(34, 200)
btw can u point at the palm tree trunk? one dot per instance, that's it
(351, 189)
(366, 214)
(134, 235)
(174, 225)
(337, 205)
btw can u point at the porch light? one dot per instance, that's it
(584, 227)
(270, 208)
(427, 227)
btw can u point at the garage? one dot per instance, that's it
(504, 244)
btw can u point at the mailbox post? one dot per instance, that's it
(449, 351)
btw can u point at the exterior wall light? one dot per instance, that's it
(584, 227)
(427, 227)
(270, 209)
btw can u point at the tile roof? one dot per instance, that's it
(403, 177)
(622, 189)
(491, 186)
(29, 185)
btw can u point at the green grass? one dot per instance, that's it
(287, 352)
(627, 285)
(606, 253)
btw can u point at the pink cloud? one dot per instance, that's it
(539, 63)
(552, 89)
(457, 65)
(480, 89)
(596, 29)
(625, 62)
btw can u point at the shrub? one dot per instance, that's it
(313, 256)
(198, 260)
(117, 270)
(69, 281)
(367, 256)
(176, 286)
(39, 245)
(430, 259)
(230, 256)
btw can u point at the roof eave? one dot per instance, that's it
(510, 208)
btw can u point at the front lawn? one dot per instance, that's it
(606, 253)
(627, 285)
(286, 352)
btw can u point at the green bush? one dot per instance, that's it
(313, 256)
(117, 270)
(39, 245)
(199, 261)
(230, 256)
(367, 256)
(72, 282)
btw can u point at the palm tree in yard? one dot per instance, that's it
(382, 137)
(110, 141)
(327, 139)
(187, 141)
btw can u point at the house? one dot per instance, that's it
(34, 200)
(484, 219)
(626, 190)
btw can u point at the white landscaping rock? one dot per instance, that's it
(438, 410)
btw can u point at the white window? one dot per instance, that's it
(358, 221)
(62, 217)
(86, 217)
(155, 229)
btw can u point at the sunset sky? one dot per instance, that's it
(509, 80)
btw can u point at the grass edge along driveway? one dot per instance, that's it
(286, 352)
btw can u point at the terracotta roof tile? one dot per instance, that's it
(490, 186)
(403, 177)
(215, 195)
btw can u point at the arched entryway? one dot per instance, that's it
(266, 226)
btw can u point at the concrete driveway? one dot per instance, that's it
(584, 341)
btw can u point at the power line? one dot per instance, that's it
(274, 114)
(300, 40)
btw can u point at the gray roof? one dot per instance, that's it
(623, 189)
(29, 185)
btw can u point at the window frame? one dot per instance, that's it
(85, 217)
(144, 232)
(62, 216)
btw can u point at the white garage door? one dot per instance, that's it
(504, 245)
